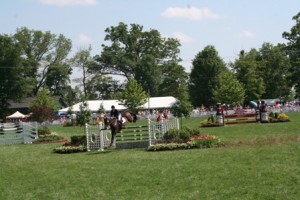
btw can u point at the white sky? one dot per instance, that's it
(229, 25)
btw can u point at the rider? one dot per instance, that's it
(114, 113)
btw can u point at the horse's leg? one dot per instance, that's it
(113, 139)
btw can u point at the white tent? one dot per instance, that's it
(16, 115)
(152, 103)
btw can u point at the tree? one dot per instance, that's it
(247, 73)
(228, 89)
(102, 87)
(12, 83)
(133, 96)
(293, 51)
(85, 115)
(182, 107)
(45, 58)
(203, 77)
(174, 81)
(82, 59)
(143, 55)
(43, 107)
(274, 68)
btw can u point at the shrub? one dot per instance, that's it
(205, 141)
(70, 149)
(44, 130)
(48, 138)
(186, 133)
(169, 146)
(78, 140)
(172, 135)
(281, 117)
(68, 123)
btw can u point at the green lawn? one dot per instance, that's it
(259, 161)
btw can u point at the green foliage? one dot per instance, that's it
(78, 140)
(133, 96)
(43, 107)
(49, 138)
(274, 68)
(247, 73)
(45, 57)
(203, 77)
(196, 141)
(44, 130)
(144, 55)
(228, 89)
(82, 60)
(278, 117)
(183, 106)
(13, 84)
(168, 146)
(205, 141)
(102, 87)
(85, 114)
(69, 149)
(292, 50)
(101, 109)
(180, 135)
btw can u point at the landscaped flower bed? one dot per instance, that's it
(77, 144)
(186, 139)
(69, 149)
(278, 117)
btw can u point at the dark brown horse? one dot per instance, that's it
(116, 125)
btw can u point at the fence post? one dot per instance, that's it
(149, 131)
(86, 132)
(101, 139)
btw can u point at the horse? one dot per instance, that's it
(116, 125)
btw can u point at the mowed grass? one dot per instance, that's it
(259, 161)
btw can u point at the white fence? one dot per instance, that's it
(17, 133)
(131, 136)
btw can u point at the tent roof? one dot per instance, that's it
(16, 115)
(153, 103)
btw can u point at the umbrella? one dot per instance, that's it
(253, 104)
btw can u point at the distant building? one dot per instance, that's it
(152, 103)
(23, 105)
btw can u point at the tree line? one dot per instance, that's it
(31, 60)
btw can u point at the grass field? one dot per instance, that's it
(259, 161)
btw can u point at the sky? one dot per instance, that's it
(229, 25)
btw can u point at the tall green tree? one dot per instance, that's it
(247, 73)
(12, 84)
(203, 77)
(174, 81)
(43, 107)
(133, 96)
(228, 90)
(274, 67)
(102, 87)
(82, 60)
(183, 106)
(143, 55)
(293, 51)
(45, 58)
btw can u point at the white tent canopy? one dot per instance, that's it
(152, 103)
(16, 115)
